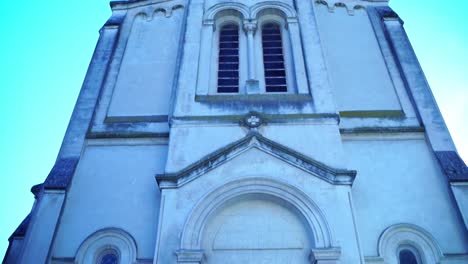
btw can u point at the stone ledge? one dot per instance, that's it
(254, 97)
(189, 256)
(325, 255)
(452, 165)
(61, 174)
(382, 130)
(373, 114)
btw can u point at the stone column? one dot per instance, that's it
(204, 65)
(252, 86)
(315, 65)
(298, 56)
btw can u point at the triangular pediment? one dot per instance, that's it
(254, 140)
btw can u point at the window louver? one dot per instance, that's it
(228, 62)
(273, 58)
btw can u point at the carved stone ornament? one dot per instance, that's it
(252, 120)
(250, 26)
(165, 10)
(350, 5)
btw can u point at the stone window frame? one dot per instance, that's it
(106, 240)
(406, 236)
(228, 17)
(231, 51)
(251, 75)
(271, 17)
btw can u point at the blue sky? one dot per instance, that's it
(46, 47)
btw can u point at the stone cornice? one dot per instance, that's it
(20, 232)
(255, 140)
(382, 130)
(350, 5)
(452, 165)
(61, 173)
(125, 4)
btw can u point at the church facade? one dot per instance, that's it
(251, 131)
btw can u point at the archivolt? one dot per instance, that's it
(252, 12)
(287, 10)
(241, 8)
(114, 238)
(410, 235)
(193, 229)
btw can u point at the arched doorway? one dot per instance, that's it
(256, 229)
(256, 220)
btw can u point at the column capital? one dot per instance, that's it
(325, 255)
(250, 26)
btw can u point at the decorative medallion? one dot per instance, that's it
(252, 120)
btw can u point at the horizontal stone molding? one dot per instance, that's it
(325, 255)
(188, 256)
(382, 130)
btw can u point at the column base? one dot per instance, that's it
(252, 87)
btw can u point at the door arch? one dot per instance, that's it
(248, 194)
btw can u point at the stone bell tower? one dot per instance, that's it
(251, 131)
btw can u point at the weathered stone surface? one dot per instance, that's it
(61, 173)
(452, 165)
(324, 172)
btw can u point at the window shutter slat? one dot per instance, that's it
(228, 61)
(273, 58)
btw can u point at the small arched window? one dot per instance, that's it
(228, 60)
(408, 255)
(108, 257)
(273, 58)
(107, 246)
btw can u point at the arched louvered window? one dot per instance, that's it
(228, 60)
(273, 58)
